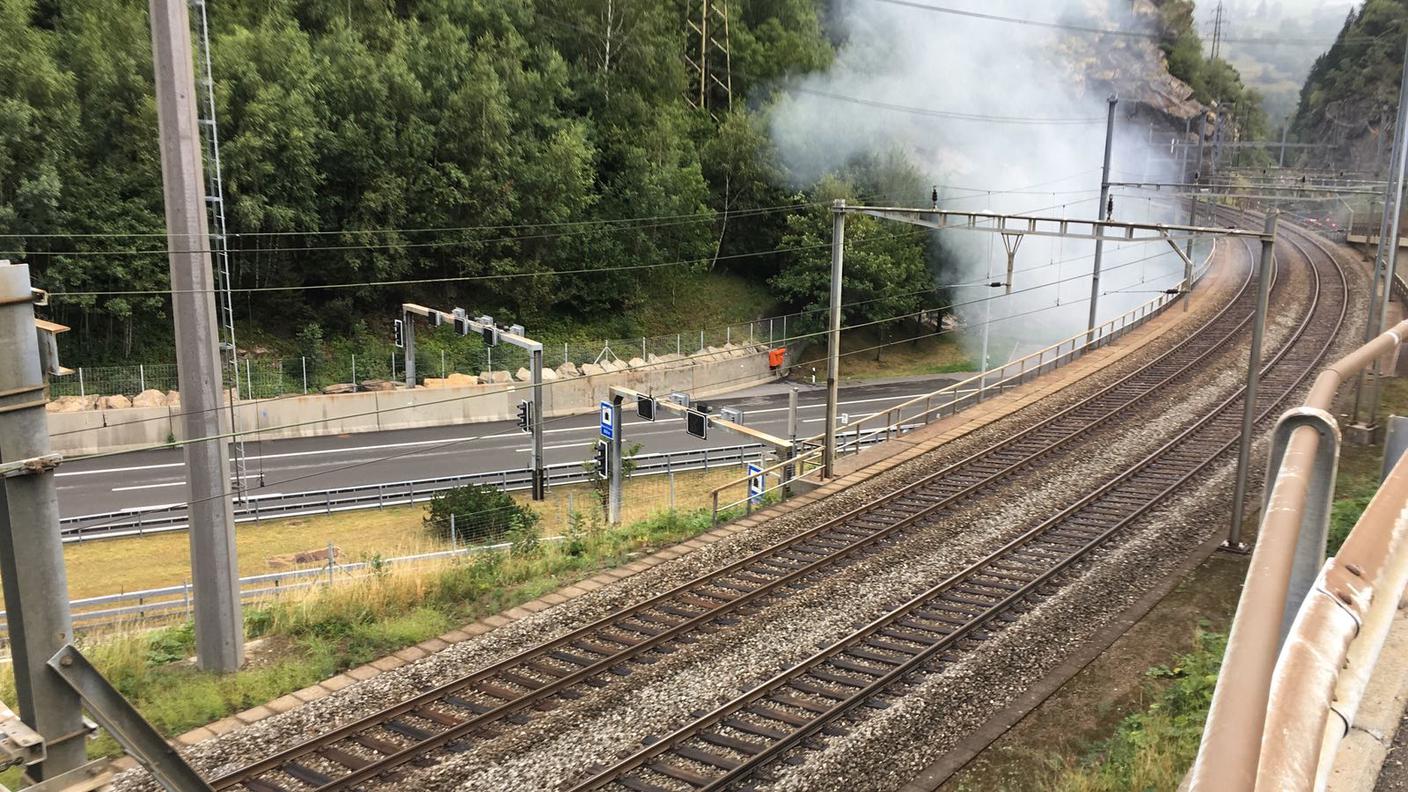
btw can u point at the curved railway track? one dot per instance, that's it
(451, 717)
(742, 738)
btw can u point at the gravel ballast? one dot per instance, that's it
(661, 696)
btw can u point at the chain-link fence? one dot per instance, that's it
(267, 377)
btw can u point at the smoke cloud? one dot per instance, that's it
(903, 57)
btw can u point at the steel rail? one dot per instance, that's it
(759, 756)
(612, 661)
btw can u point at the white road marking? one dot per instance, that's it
(451, 440)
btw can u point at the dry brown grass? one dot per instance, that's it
(113, 566)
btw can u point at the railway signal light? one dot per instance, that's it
(400, 334)
(645, 407)
(491, 336)
(461, 325)
(697, 424)
(525, 407)
(602, 455)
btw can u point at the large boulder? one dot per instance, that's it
(592, 369)
(523, 375)
(65, 404)
(117, 402)
(569, 369)
(611, 365)
(173, 398)
(340, 387)
(549, 375)
(378, 385)
(458, 380)
(495, 377)
(149, 398)
(635, 362)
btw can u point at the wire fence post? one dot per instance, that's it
(678, 347)
(393, 366)
(442, 364)
(329, 562)
(81, 392)
(141, 377)
(701, 340)
(642, 348)
(248, 377)
(728, 334)
(564, 353)
(304, 362)
(454, 545)
(354, 373)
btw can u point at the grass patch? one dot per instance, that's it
(1358, 477)
(917, 358)
(335, 628)
(1151, 750)
(113, 566)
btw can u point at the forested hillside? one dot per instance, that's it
(454, 138)
(532, 159)
(1351, 95)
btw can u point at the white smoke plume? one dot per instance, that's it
(896, 55)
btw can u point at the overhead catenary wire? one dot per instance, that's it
(468, 397)
(1104, 31)
(59, 295)
(510, 433)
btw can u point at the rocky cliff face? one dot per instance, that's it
(1350, 99)
(1133, 68)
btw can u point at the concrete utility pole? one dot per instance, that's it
(1391, 246)
(535, 418)
(219, 626)
(613, 464)
(833, 337)
(408, 341)
(1100, 211)
(1244, 451)
(1198, 178)
(31, 554)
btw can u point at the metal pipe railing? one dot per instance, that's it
(982, 386)
(1253, 724)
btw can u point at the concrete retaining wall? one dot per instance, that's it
(94, 431)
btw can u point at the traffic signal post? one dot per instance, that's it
(611, 432)
(532, 416)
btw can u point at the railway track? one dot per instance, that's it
(795, 709)
(455, 715)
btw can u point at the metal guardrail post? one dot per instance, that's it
(1319, 497)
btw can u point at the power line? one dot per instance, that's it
(508, 433)
(476, 278)
(1120, 32)
(951, 114)
(496, 276)
(467, 397)
(647, 221)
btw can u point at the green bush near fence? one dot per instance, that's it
(478, 514)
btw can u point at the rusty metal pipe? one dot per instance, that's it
(1229, 755)
(1330, 654)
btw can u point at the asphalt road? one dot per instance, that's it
(148, 479)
